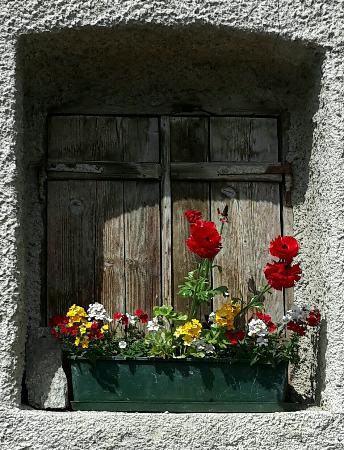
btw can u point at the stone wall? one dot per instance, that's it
(154, 57)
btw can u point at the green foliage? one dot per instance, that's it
(160, 344)
(197, 286)
(169, 313)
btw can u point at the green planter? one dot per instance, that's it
(176, 386)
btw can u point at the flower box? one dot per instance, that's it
(174, 362)
(204, 385)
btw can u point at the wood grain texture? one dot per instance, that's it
(243, 139)
(142, 245)
(89, 138)
(288, 230)
(185, 195)
(166, 214)
(228, 171)
(189, 139)
(189, 142)
(254, 219)
(109, 246)
(70, 245)
(98, 170)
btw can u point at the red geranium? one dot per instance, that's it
(123, 318)
(314, 318)
(204, 240)
(57, 321)
(235, 336)
(267, 320)
(192, 215)
(95, 330)
(58, 326)
(300, 329)
(282, 275)
(141, 315)
(117, 316)
(284, 247)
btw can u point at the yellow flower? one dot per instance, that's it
(189, 331)
(76, 314)
(104, 328)
(226, 314)
(85, 343)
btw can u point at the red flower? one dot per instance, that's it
(124, 320)
(282, 275)
(300, 329)
(235, 336)
(284, 247)
(121, 318)
(204, 240)
(95, 331)
(57, 321)
(267, 320)
(192, 215)
(117, 316)
(314, 318)
(223, 214)
(141, 315)
(72, 331)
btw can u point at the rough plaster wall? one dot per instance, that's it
(318, 208)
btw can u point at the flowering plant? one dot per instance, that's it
(238, 330)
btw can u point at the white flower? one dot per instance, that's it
(201, 345)
(96, 311)
(296, 314)
(262, 340)
(153, 325)
(212, 316)
(122, 344)
(131, 319)
(257, 328)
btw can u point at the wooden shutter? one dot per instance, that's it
(117, 191)
(103, 213)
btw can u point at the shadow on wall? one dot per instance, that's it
(157, 70)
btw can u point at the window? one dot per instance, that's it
(117, 190)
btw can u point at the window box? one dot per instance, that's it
(205, 385)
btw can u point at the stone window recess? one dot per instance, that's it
(185, 94)
(117, 188)
(116, 195)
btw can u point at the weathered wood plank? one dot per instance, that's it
(79, 138)
(243, 139)
(70, 245)
(189, 139)
(89, 138)
(140, 139)
(98, 170)
(166, 214)
(142, 245)
(288, 230)
(229, 171)
(109, 246)
(254, 219)
(185, 195)
(188, 143)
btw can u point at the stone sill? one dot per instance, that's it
(308, 429)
